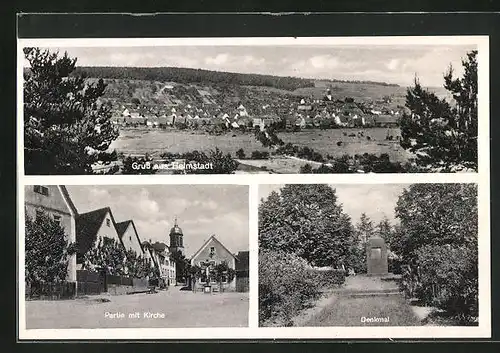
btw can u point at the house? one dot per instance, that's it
(166, 265)
(159, 257)
(211, 254)
(55, 201)
(386, 120)
(92, 228)
(242, 271)
(129, 237)
(242, 111)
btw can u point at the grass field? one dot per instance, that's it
(155, 141)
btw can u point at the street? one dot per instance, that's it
(172, 308)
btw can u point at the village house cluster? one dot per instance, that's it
(286, 113)
(90, 230)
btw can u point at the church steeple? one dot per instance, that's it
(176, 238)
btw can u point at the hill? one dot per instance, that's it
(187, 75)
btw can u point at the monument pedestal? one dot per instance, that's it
(376, 257)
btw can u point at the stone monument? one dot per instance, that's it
(376, 257)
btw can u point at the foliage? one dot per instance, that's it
(444, 137)
(223, 271)
(260, 155)
(182, 265)
(66, 129)
(286, 286)
(187, 75)
(137, 266)
(437, 243)
(307, 221)
(435, 214)
(221, 163)
(329, 278)
(47, 250)
(449, 279)
(109, 255)
(240, 153)
(385, 230)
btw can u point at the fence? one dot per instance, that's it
(50, 291)
(90, 282)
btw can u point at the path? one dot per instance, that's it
(366, 301)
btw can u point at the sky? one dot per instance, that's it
(388, 63)
(202, 210)
(376, 200)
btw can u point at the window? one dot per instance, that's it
(57, 219)
(42, 190)
(130, 238)
(108, 222)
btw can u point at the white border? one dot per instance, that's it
(482, 178)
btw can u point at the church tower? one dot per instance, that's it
(176, 238)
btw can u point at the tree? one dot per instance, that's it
(384, 230)
(66, 128)
(240, 153)
(47, 250)
(437, 243)
(109, 255)
(435, 214)
(444, 136)
(307, 221)
(364, 229)
(182, 266)
(221, 163)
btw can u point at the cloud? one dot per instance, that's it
(253, 61)
(219, 59)
(324, 62)
(393, 64)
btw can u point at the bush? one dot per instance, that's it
(260, 155)
(286, 286)
(329, 278)
(448, 279)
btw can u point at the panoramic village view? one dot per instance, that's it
(136, 256)
(250, 109)
(368, 255)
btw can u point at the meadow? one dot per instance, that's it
(156, 141)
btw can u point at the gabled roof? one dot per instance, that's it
(121, 228)
(87, 227)
(68, 200)
(206, 244)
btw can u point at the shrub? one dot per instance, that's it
(286, 286)
(260, 155)
(448, 278)
(329, 278)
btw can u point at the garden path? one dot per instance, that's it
(366, 301)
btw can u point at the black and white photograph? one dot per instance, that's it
(333, 255)
(136, 256)
(272, 106)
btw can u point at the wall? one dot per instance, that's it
(130, 241)
(53, 204)
(107, 232)
(220, 255)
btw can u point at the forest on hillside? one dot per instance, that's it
(186, 75)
